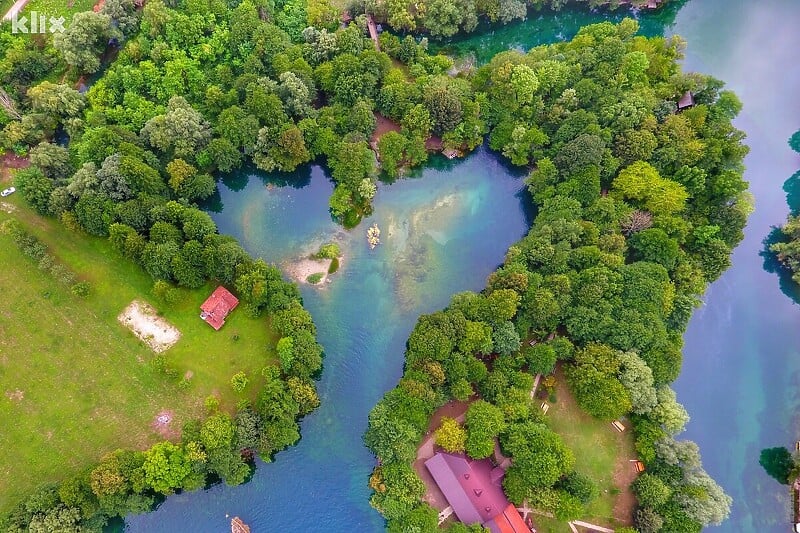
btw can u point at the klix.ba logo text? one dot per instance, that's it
(38, 23)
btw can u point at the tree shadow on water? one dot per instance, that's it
(297, 179)
(238, 179)
(771, 264)
(792, 189)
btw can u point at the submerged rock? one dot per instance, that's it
(373, 236)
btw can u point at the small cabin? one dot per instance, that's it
(686, 101)
(218, 306)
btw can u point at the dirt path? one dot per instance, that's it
(624, 474)
(433, 494)
(383, 126)
(11, 161)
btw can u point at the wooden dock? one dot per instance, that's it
(373, 31)
(237, 526)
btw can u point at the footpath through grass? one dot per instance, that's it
(75, 384)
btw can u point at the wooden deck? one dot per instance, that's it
(237, 526)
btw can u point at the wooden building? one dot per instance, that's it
(218, 306)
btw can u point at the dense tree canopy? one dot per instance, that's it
(638, 208)
(778, 463)
(445, 18)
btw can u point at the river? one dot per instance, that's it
(447, 228)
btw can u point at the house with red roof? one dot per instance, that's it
(218, 306)
(475, 492)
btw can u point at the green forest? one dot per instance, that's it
(138, 157)
(639, 206)
(445, 18)
(788, 250)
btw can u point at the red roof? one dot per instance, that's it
(508, 522)
(217, 306)
(474, 491)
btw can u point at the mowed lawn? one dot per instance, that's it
(601, 452)
(57, 8)
(76, 384)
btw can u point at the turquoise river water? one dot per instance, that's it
(446, 229)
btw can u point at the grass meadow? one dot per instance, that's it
(75, 384)
(601, 452)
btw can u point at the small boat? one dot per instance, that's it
(373, 236)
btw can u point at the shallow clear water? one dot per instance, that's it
(548, 26)
(450, 228)
(442, 232)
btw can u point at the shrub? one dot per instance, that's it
(46, 262)
(166, 293)
(70, 222)
(160, 288)
(159, 363)
(334, 265)
(314, 278)
(329, 250)
(239, 381)
(451, 436)
(81, 289)
(62, 274)
(212, 404)
(173, 296)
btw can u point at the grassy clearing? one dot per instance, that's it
(58, 8)
(75, 384)
(601, 453)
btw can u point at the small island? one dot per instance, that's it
(316, 268)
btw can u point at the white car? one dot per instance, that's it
(6, 192)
